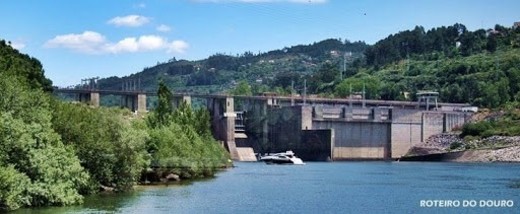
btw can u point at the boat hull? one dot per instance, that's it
(279, 161)
(281, 158)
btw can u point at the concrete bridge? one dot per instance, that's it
(314, 128)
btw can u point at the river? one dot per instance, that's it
(338, 187)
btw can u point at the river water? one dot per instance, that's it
(338, 187)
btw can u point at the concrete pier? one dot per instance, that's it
(177, 100)
(134, 102)
(223, 122)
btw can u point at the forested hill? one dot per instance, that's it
(448, 41)
(221, 72)
(27, 69)
(480, 67)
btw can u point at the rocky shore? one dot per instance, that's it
(491, 149)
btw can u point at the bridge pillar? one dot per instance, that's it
(141, 102)
(94, 99)
(91, 98)
(223, 122)
(129, 101)
(178, 100)
(83, 97)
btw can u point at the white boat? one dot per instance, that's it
(287, 157)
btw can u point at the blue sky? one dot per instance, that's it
(79, 39)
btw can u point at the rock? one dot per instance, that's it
(491, 149)
(104, 188)
(172, 177)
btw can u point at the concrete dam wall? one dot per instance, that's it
(357, 140)
(344, 133)
(315, 128)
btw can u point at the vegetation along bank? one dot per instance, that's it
(54, 153)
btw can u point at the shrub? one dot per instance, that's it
(13, 188)
(475, 129)
(110, 146)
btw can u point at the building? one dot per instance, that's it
(516, 25)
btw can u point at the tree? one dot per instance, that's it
(31, 151)
(285, 79)
(243, 88)
(491, 44)
(162, 114)
(111, 148)
(358, 83)
(391, 91)
(29, 70)
(324, 79)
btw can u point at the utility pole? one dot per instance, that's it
(350, 95)
(344, 66)
(292, 92)
(347, 54)
(304, 91)
(292, 88)
(363, 95)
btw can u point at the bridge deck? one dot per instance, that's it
(298, 99)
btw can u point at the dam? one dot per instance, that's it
(316, 129)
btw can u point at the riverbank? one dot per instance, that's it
(450, 147)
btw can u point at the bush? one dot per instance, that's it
(110, 146)
(183, 143)
(475, 129)
(13, 188)
(456, 145)
(33, 153)
(183, 149)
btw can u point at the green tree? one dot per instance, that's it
(48, 169)
(29, 70)
(13, 188)
(243, 88)
(110, 146)
(491, 44)
(358, 83)
(164, 110)
(183, 143)
(324, 79)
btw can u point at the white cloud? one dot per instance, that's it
(264, 1)
(18, 45)
(129, 21)
(87, 42)
(94, 43)
(163, 28)
(132, 44)
(178, 46)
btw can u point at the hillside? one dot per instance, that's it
(23, 67)
(220, 72)
(479, 67)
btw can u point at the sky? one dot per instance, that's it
(88, 38)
